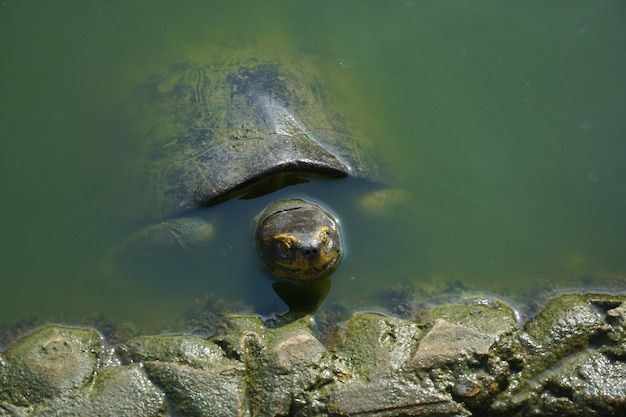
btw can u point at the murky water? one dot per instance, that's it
(502, 125)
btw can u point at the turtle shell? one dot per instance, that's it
(212, 133)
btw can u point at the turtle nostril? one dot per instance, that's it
(310, 252)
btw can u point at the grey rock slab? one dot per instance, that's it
(216, 391)
(447, 342)
(282, 364)
(493, 319)
(459, 355)
(117, 392)
(188, 350)
(196, 375)
(387, 397)
(372, 343)
(368, 373)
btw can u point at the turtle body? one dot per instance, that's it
(248, 128)
(216, 132)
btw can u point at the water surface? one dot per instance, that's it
(503, 123)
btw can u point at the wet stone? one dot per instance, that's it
(10, 410)
(52, 362)
(365, 374)
(598, 380)
(459, 355)
(464, 360)
(566, 324)
(282, 364)
(617, 318)
(188, 350)
(377, 343)
(195, 374)
(556, 342)
(120, 391)
(589, 381)
(494, 319)
(392, 396)
(617, 315)
(447, 342)
(586, 383)
(241, 329)
(216, 391)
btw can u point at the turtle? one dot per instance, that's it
(243, 129)
(297, 240)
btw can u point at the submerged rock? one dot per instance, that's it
(569, 360)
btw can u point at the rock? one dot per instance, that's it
(584, 384)
(282, 363)
(473, 359)
(568, 324)
(10, 410)
(240, 330)
(565, 325)
(184, 234)
(447, 343)
(387, 397)
(124, 391)
(186, 350)
(117, 392)
(494, 319)
(557, 350)
(599, 380)
(616, 316)
(377, 343)
(52, 362)
(195, 374)
(365, 375)
(216, 391)
(459, 352)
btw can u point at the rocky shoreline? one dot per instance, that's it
(458, 360)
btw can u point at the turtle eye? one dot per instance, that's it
(324, 236)
(284, 245)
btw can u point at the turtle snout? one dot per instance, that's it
(311, 252)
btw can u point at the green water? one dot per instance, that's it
(503, 124)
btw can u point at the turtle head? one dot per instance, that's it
(298, 241)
